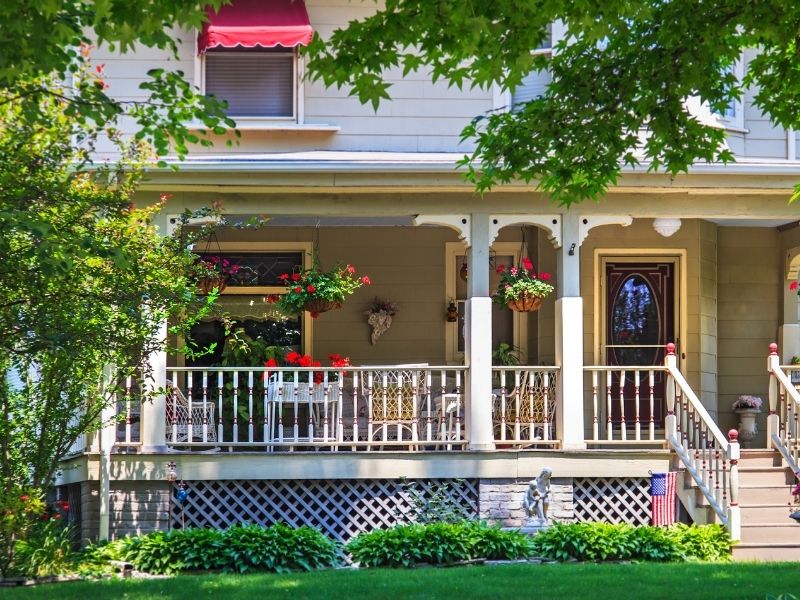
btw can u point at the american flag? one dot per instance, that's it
(663, 498)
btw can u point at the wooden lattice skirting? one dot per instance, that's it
(612, 499)
(340, 508)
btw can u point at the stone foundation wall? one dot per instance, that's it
(500, 501)
(138, 507)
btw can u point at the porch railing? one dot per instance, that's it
(524, 405)
(623, 409)
(410, 407)
(706, 454)
(783, 421)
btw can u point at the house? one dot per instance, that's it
(668, 295)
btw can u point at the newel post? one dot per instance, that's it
(773, 420)
(734, 512)
(671, 362)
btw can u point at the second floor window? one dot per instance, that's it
(256, 82)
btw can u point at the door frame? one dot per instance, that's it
(602, 256)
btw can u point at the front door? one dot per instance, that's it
(639, 322)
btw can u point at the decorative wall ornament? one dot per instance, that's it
(379, 317)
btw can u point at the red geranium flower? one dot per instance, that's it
(544, 276)
(526, 262)
(298, 289)
(351, 269)
(295, 276)
(501, 268)
(292, 357)
(793, 285)
(311, 289)
(366, 280)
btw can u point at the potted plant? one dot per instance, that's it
(213, 272)
(747, 407)
(379, 316)
(317, 291)
(794, 374)
(522, 288)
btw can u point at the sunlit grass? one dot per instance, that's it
(730, 581)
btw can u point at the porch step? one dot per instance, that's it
(767, 552)
(760, 458)
(764, 476)
(764, 494)
(765, 513)
(787, 532)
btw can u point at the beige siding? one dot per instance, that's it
(750, 286)
(422, 117)
(763, 139)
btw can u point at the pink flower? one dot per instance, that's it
(25, 498)
(514, 270)
(366, 280)
(351, 269)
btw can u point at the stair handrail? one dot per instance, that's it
(708, 455)
(784, 412)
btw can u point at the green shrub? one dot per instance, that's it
(241, 548)
(436, 543)
(605, 541)
(708, 542)
(46, 551)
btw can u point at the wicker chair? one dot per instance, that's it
(393, 398)
(537, 403)
(180, 412)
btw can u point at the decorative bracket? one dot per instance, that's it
(587, 223)
(550, 223)
(459, 223)
(793, 264)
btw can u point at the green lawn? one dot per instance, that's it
(596, 581)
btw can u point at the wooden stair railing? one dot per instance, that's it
(783, 420)
(707, 455)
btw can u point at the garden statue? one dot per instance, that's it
(537, 499)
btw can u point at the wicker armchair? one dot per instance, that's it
(180, 412)
(536, 404)
(393, 397)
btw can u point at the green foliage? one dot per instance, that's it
(605, 541)
(20, 510)
(47, 550)
(436, 544)
(708, 542)
(573, 141)
(241, 549)
(438, 505)
(71, 28)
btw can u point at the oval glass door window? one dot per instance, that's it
(635, 323)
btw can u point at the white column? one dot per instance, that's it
(106, 437)
(154, 410)
(569, 338)
(478, 337)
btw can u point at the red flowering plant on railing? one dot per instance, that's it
(317, 291)
(295, 359)
(522, 288)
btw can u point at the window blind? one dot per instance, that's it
(255, 84)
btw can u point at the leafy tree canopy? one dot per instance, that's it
(620, 78)
(42, 39)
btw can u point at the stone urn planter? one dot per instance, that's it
(747, 424)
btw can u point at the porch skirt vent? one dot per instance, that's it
(340, 508)
(612, 499)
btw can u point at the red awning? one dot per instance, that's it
(256, 23)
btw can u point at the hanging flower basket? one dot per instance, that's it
(317, 291)
(207, 284)
(525, 303)
(320, 305)
(521, 288)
